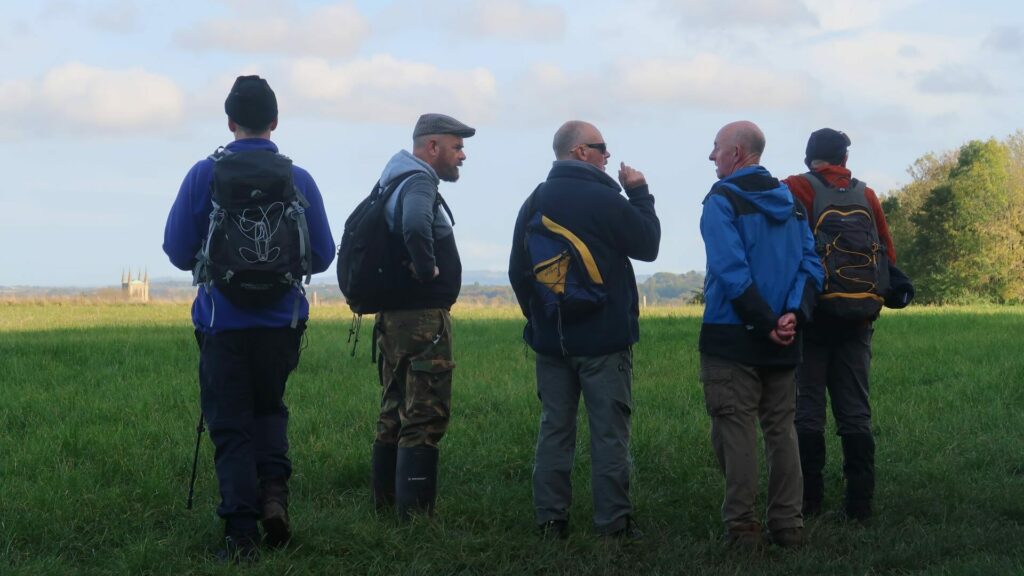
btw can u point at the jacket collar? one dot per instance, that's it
(580, 170)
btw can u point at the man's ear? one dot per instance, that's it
(232, 126)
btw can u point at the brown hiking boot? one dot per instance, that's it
(743, 537)
(276, 525)
(787, 537)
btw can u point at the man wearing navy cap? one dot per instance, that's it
(837, 350)
(246, 352)
(414, 334)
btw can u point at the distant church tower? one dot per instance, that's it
(135, 290)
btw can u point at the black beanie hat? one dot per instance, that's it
(828, 145)
(251, 103)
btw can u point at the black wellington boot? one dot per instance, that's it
(416, 481)
(812, 463)
(382, 473)
(859, 469)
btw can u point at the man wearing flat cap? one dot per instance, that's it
(414, 334)
(837, 343)
(247, 349)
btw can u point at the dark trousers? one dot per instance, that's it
(836, 358)
(242, 376)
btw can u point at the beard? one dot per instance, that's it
(449, 174)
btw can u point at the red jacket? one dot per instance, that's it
(839, 177)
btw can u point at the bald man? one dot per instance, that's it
(763, 277)
(585, 352)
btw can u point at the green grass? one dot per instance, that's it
(97, 427)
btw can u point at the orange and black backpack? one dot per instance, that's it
(854, 258)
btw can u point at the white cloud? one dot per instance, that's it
(76, 97)
(332, 31)
(708, 81)
(15, 95)
(837, 15)
(874, 69)
(385, 89)
(721, 14)
(515, 20)
(1005, 39)
(118, 16)
(954, 79)
(548, 93)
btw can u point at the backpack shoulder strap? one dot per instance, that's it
(438, 199)
(386, 193)
(825, 194)
(219, 154)
(740, 205)
(532, 199)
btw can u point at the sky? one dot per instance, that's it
(106, 104)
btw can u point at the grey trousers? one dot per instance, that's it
(737, 397)
(606, 383)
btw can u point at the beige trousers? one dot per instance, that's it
(739, 396)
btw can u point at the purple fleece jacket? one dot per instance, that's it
(186, 228)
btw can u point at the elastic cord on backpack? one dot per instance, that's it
(561, 334)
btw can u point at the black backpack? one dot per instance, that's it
(854, 258)
(257, 247)
(370, 266)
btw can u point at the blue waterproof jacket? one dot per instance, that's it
(761, 264)
(186, 229)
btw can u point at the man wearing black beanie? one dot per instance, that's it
(837, 343)
(249, 332)
(252, 104)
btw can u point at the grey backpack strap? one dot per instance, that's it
(826, 195)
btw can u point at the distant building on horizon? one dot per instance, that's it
(137, 289)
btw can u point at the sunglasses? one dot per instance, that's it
(599, 146)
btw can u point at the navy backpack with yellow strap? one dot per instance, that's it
(565, 275)
(853, 255)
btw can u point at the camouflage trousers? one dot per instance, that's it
(415, 375)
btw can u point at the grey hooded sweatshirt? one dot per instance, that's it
(426, 234)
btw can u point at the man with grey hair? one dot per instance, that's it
(584, 349)
(762, 281)
(414, 331)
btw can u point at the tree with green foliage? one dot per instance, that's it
(959, 225)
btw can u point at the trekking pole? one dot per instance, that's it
(195, 461)
(353, 331)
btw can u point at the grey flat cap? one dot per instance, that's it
(441, 124)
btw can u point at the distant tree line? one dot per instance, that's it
(958, 225)
(667, 289)
(661, 289)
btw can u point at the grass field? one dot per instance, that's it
(98, 406)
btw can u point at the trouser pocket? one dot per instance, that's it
(719, 396)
